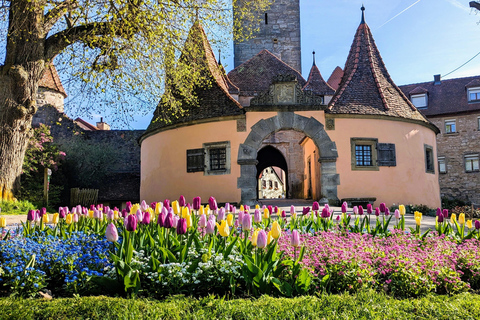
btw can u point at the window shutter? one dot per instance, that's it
(386, 154)
(195, 160)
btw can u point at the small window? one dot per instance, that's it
(471, 163)
(195, 160)
(264, 184)
(364, 153)
(450, 126)
(217, 158)
(419, 100)
(478, 123)
(276, 184)
(442, 165)
(266, 18)
(270, 184)
(473, 94)
(429, 165)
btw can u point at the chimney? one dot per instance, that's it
(102, 125)
(436, 79)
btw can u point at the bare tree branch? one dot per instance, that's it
(56, 13)
(474, 4)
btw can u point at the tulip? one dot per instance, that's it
(230, 219)
(401, 208)
(469, 224)
(269, 209)
(377, 211)
(257, 206)
(183, 212)
(246, 222)
(477, 224)
(418, 220)
(182, 226)
(453, 218)
(445, 213)
(257, 218)
(276, 230)
(227, 207)
(439, 212)
(355, 210)
(242, 208)
(116, 215)
(111, 233)
(292, 210)
(202, 221)
(221, 214)
(269, 237)
(189, 220)
(283, 215)
(275, 209)
(210, 227)
(166, 203)
(223, 228)
(240, 217)
(212, 203)
(201, 210)
(360, 210)
(397, 214)
(338, 218)
(176, 207)
(110, 215)
(440, 218)
(139, 215)
(369, 209)
(254, 237)
(79, 209)
(212, 218)
(146, 218)
(45, 218)
(387, 211)
(305, 210)
(134, 208)
(325, 213)
(197, 202)
(31, 215)
(75, 217)
(85, 211)
(143, 206)
(181, 201)
(383, 207)
(417, 214)
(266, 213)
(3, 222)
(233, 209)
(128, 206)
(175, 219)
(315, 206)
(461, 218)
(158, 208)
(344, 207)
(131, 224)
(100, 207)
(43, 211)
(55, 218)
(69, 218)
(295, 239)
(262, 239)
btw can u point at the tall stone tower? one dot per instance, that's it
(279, 33)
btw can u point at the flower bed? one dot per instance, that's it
(167, 248)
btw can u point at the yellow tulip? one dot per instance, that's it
(453, 218)
(223, 228)
(254, 238)
(158, 208)
(69, 218)
(56, 216)
(401, 208)
(176, 207)
(207, 209)
(185, 212)
(45, 218)
(269, 237)
(230, 219)
(418, 220)
(116, 215)
(201, 210)
(188, 217)
(242, 208)
(90, 214)
(134, 208)
(469, 224)
(461, 218)
(266, 213)
(3, 222)
(417, 214)
(150, 210)
(257, 206)
(276, 230)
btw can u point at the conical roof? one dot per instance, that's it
(366, 87)
(335, 78)
(212, 95)
(51, 80)
(315, 82)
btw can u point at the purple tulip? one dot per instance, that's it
(202, 221)
(377, 211)
(240, 217)
(315, 206)
(210, 227)
(105, 209)
(125, 212)
(477, 224)
(139, 215)
(182, 226)
(440, 218)
(387, 212)
(153, 205)
(445, 213)
(131, 223)
(369, 208)
(257, 217)
(43, 212)
(31, 215)
(247, 222)
(61, 213)
(85, 211)
(221, 214)
(284, 215)
(100, 206)
(181, 201)
(262, 239)
(325, 213)
(439, 212)
(168, 223)
(233, 209)
(344, 207)
(275, 209)
(111, 233)
(166, 203)
(161, 219)
(212, 203)
(338, 218)
(227, 207)
(360, 210)
(295, 239)
(92, 207)
(305, 210)
(110, 215)
(383, 207)
(80, 209)
(128, 206)
(146, 217)
(197, 202)
(270, 209)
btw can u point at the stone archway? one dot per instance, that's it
(312, 128)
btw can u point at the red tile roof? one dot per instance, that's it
(335, 78)
(212, 96)
(450, 96)
(418, 90)
(316, 84)
(366, 87)
(85, 125)
(256, 75)
(51, 80)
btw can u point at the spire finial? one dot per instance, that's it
(313, 57)
(220, 56)
(363, 14)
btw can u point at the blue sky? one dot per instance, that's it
(416, 38)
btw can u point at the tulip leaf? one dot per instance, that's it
(228, 250)
(251, 265)
(168, 254)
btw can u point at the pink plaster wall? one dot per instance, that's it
(311, 150)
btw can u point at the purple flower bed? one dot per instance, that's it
(400, 264)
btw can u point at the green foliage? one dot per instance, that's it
(16, 207)
(364, 305)
(450, 203)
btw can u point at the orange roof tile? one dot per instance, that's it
(51, 80)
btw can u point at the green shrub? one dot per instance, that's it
(16, 207)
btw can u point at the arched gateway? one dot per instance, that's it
(312, 128)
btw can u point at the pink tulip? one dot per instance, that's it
(131, 224)
(295, 239)
(221, 215)
(139, 215)
(360, 210)
(212, 203)
(257, 217)
(240, 217)
(369, 208)
(292, 210)
(344, 207)
(202, 222)
(397, 214)
(75, 217)
(111, 233)
(143, 206)
(210, 227)
(247, 222)
(146, 217)
(110, 215)
(377, 211)
(355, 210)
(262, 239)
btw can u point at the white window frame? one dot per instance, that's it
(442, 165)
(448, 125)
(475, 91)
(472, 162)
(216, 145)
(419, 100)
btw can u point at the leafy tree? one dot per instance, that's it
(122, 41)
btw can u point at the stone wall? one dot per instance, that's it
(280, 35)
(288, 143)
(456, 183)
(47, 96)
